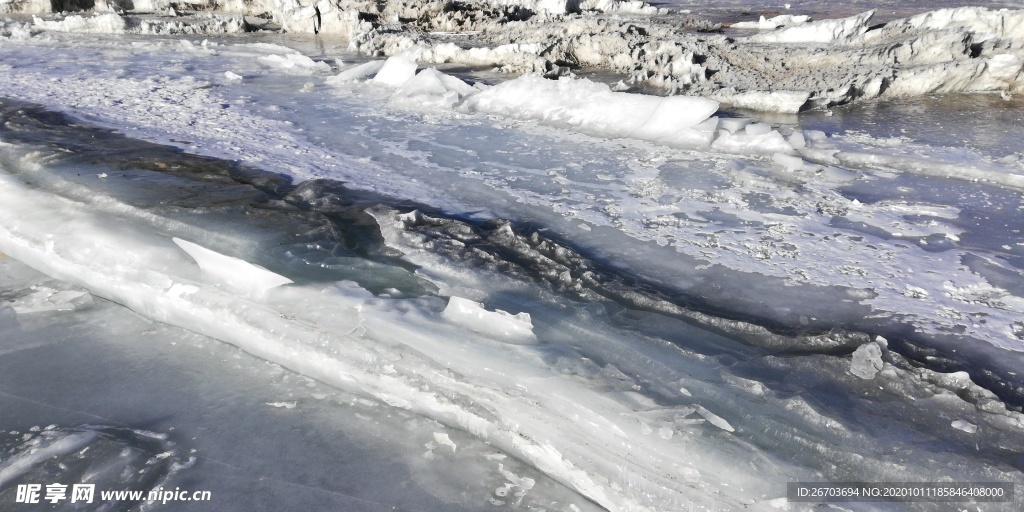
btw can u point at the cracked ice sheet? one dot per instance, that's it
(742, 220)
(305, 444)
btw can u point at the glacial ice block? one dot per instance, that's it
(430, 81)
(782, 20)
(787, 102)
(294, 62)
(499, 324)
(593, 108)
(753, 139)
(867, 361)
(398, 69)
(824, 31)
(358, 72)
(431, 87)
(239, 274)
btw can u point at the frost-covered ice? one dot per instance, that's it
(590, 297)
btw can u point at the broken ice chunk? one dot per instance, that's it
(867, 361)
(788, 162)
(236, 273)
(445, 83)
(714, 419)
(797, 140)
(443, 440)
(593, 108)
(732, 124)
(825, 31)
(758, 129)
(789, 102)
(966, 426)
(752, 139)
(432, 87)
(398, 69)
(773, 23)
(283, 405)
(294, 62)
(499, 324)
(356, 72)
(523, 482)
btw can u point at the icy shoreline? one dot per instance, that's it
(783, 67)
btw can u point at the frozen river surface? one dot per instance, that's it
(270, 268)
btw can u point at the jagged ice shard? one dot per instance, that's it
(525, 255)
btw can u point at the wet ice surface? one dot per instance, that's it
(632, 381)
(176, 409)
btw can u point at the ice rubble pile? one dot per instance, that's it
(584, 106)
(967, 49)
(457, 363)
(576, 104)
(594, 108)
(345, 17)
(343, 336)
(824, 31)
(804, 66)
(791, 64)
(110, 23)
(800, 65)
(782, 20)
